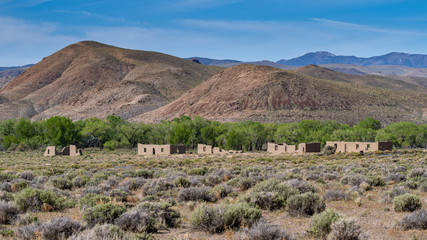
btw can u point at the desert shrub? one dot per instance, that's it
(164, 214)
(423, 186)
(28, 232)
(353, 179)
(197, 171)
(302, 186)
(415, 220)
(133, 184)
(111, 145)
(27, 219)
(89, 190)
(220, 191)
(212, 180)
(119, 195)
(6, 232)
(101, 232)
(263, 230)
(335, 195)
(27, 175)
(93, 199)
(306, 204)
(62, 183)
(6, 177)
(312, 177)
(329, 150)
(156, 187)
(60, 228)
(321, 223)
(394, 192)
(19, 185)
(6, 187)
(5, 196)
(376, 181)
(217, 218)
(34, 199)
(144, 173)
(80, 181)
(137, 221)
(271, 194)
(181, 182)
(406, 203)
(346, 230)
(396, 177)
(8, 212)
(103, 213)
(416, 172)
(245, 183)
(415, 182)
(196, 194)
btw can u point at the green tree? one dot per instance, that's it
(60, 131)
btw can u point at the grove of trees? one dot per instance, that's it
(114, 132)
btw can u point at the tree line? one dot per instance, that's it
(115, 132)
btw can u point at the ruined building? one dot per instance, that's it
(347, 147)
(148, 149)
(291, 149)
(208, 149)
(71, 150)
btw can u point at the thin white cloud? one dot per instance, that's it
(99, 16)
(188, 5)
(366, 28)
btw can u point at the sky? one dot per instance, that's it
(221, 29)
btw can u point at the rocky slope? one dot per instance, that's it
(90, 79)
(260, 93)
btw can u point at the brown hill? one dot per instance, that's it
(90, 79)
(268, 94)
(371, 80)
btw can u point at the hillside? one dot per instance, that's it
(370, 80)
(260, 93)
(394, 58)
(90, 79)
(7, 74)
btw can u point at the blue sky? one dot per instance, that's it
(232, 29)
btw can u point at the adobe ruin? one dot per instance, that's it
(149, 149)
(71, 150)
(278, 148)
(362, 147)
(208, 149)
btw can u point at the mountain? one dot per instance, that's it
(7, 74)
(265, 94)
(398, 83)
(90, 79)
(231, 63)
(394, 58)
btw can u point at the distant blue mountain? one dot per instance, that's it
(394, 58)
(15, 67)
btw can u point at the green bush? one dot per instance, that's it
(306, 204)
(33, 200)
(164, 214)
(144, 173)
(181, 182)
(93, 199)
(62, 183)
(197, 171)
(111, 145)
(406, 203)
(321, 223)
(218, 218)
(103, 213)
(271, 194)
(6, 177)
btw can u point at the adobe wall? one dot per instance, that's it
(348, 147)
(50, 151)
(151, 149)
(204, 149)
(302, 148)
